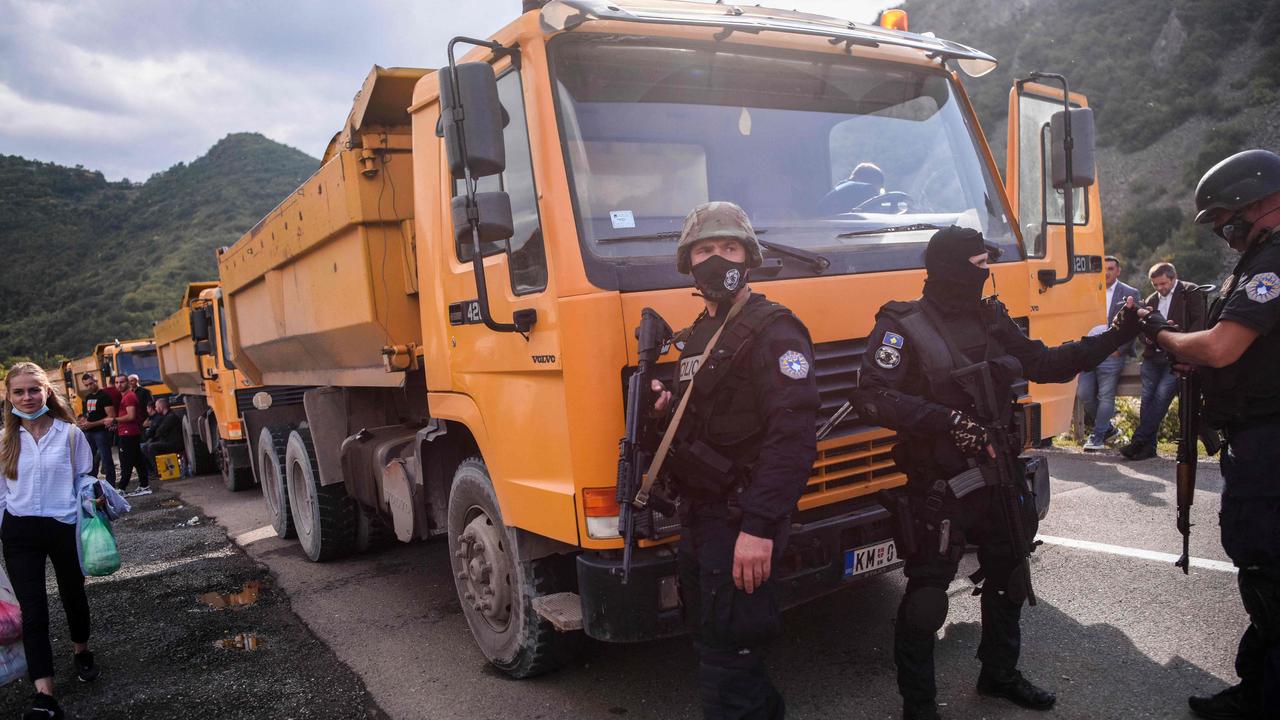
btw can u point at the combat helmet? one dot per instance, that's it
(1238, 181)
(717, 220)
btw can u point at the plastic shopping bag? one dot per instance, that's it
(13, 662)
(98, 547)
(10, 614)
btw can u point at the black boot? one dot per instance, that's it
(1015, 689)
(1230, 704)
(42, 707)
(921, 712)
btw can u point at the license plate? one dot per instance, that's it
(870, 559)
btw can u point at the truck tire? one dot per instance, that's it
(202, 463)
(272, 444)
(323, 515)
(495, 587)
(234, 477)
(372, 533)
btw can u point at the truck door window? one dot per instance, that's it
(525, 250)
(1038, 201)
(222, 337)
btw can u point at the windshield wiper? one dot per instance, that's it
(816, 262)
(665, 235)
(888, 230)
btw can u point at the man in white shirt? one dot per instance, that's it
(1097, 387)
(1185, 305)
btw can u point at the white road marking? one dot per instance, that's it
(1137, 553)
(253, 536)
(128, 571)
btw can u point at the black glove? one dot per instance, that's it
(1152, 324)
(969, 436)
(1126, 323)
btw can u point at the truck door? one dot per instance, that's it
(1069, 310)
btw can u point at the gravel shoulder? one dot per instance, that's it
(160, 646)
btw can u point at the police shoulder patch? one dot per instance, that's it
(888, 357)
(794, 365)
(1263, 287)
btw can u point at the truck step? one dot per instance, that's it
(563, 610)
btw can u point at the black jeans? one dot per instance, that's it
(1250, 521)
(977, 519)
(131, 457)
(730, 627)
(100, 441)
(27, 542)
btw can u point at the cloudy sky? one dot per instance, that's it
(131, 87)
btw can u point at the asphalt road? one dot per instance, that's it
(1118, 632)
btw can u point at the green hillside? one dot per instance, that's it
(1176, 85)
(86, 260)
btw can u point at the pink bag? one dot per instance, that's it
(10, 613)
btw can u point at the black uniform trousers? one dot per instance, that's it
(28, 541)
(976, 519)
(1250, 522)
(730, 628)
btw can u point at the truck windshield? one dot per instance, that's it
(142, 363)
(848, 158)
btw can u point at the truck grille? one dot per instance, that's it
(280, 395)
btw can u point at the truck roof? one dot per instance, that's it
(567, 14)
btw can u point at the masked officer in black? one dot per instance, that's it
(945, 446)
(743, 446)
(1237, 357)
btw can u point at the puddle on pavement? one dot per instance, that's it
(240, 641)
(247, 596)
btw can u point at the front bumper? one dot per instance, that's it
(647, 607)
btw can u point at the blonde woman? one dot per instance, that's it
(39, 502)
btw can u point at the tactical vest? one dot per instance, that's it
(1249, 388)
(719, 437)
(939, 355)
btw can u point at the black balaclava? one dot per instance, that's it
(953, 281)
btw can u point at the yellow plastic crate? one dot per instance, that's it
(169, 466)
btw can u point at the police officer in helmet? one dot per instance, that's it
(914, 376)
(1237, 358)
(742, 426)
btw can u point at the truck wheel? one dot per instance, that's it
(202, 463)
(324, 516)
(496, 589)
(372, 532)
(272, 444)
(234, 477)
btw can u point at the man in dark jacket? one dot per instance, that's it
(166, 433)
(743, 445)
(917, 355)
(1185, 305)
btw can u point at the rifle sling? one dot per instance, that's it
(664, 447)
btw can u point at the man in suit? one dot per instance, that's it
(1097, 387)
(1185, 306)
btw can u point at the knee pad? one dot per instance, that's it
(925, 609)
(1260, 592)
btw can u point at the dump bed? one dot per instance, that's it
(179, 364)
(321, 285)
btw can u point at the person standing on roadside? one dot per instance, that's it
(145, 397)
(129, 431)
(99, 412)
(1185, 305)
(1097, 387)
(42, 453)
(1236, 357)
(747, 445)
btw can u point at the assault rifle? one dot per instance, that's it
(633, 455)
(1008, 470)
(1189, 431)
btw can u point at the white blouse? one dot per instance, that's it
(45, 486)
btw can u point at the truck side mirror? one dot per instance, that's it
(199, 324)
(1083, 171)
(473, 119)
(494, 212)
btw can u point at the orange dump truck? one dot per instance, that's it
(194, 361)
(442, 317)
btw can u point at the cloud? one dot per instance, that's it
(130, 87)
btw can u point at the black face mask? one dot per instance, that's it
(717, 279)
(1235, 231)
(953, 281)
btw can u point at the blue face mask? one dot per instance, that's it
(29, 416)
